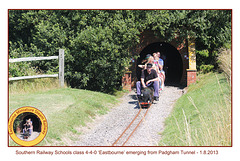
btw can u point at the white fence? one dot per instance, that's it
(61, 67)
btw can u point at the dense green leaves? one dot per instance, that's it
(97, 42)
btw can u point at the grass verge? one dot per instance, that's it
(33, 85)
(201, 117)
(65, 109)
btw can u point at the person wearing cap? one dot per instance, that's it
(149, 60)
(159, 62)
(28, 126)
(146, 60)
(149, 78)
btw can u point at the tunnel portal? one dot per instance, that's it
(173, 64)
(35, 120)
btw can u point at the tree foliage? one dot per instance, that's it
(97, 42)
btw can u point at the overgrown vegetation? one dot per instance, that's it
(97, 42)
(202, 117)
(224, 61)
(33, 85)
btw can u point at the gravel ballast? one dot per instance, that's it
(105, 130)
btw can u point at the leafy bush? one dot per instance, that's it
(206, 68)
(98, 43)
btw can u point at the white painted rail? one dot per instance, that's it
(61, 67)
(32, 59)
(33, 77)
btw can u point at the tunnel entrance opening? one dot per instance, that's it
(35, 121)
(173, 64)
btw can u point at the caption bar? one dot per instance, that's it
(123, 152)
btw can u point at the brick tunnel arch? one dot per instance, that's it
(173, 64)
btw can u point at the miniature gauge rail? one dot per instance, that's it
(129, 131)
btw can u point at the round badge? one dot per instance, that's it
(27, 126)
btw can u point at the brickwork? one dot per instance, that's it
(191, 72)
(191, 76)
(127, 81)
(147, 38)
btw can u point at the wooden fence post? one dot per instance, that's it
(61, 67)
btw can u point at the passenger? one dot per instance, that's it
(160, 64)
(25, 127)
(144, 62)
(151, 61)
(149, 78)
(160, 77)
(31, 126)
(28, 127)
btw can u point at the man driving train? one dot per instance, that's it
(149, 78)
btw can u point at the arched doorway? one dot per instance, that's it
(173, 64)
(35, 120)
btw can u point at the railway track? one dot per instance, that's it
(106, 130)
(132, 127)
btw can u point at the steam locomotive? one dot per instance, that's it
(146, 98)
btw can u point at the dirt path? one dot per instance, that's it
(106, 129)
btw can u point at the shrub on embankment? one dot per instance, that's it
(202, 116)
(98, 43)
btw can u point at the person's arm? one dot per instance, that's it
(142, 79)
(143, 83)
(152, 80)
(160, 66)
(157, 68)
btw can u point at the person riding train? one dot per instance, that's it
(28, 127)
(149, 78)
(159, 63)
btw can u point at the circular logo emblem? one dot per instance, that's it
(27, 126)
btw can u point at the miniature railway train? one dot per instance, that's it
(146, 98)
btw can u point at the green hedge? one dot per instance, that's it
(97, 43)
